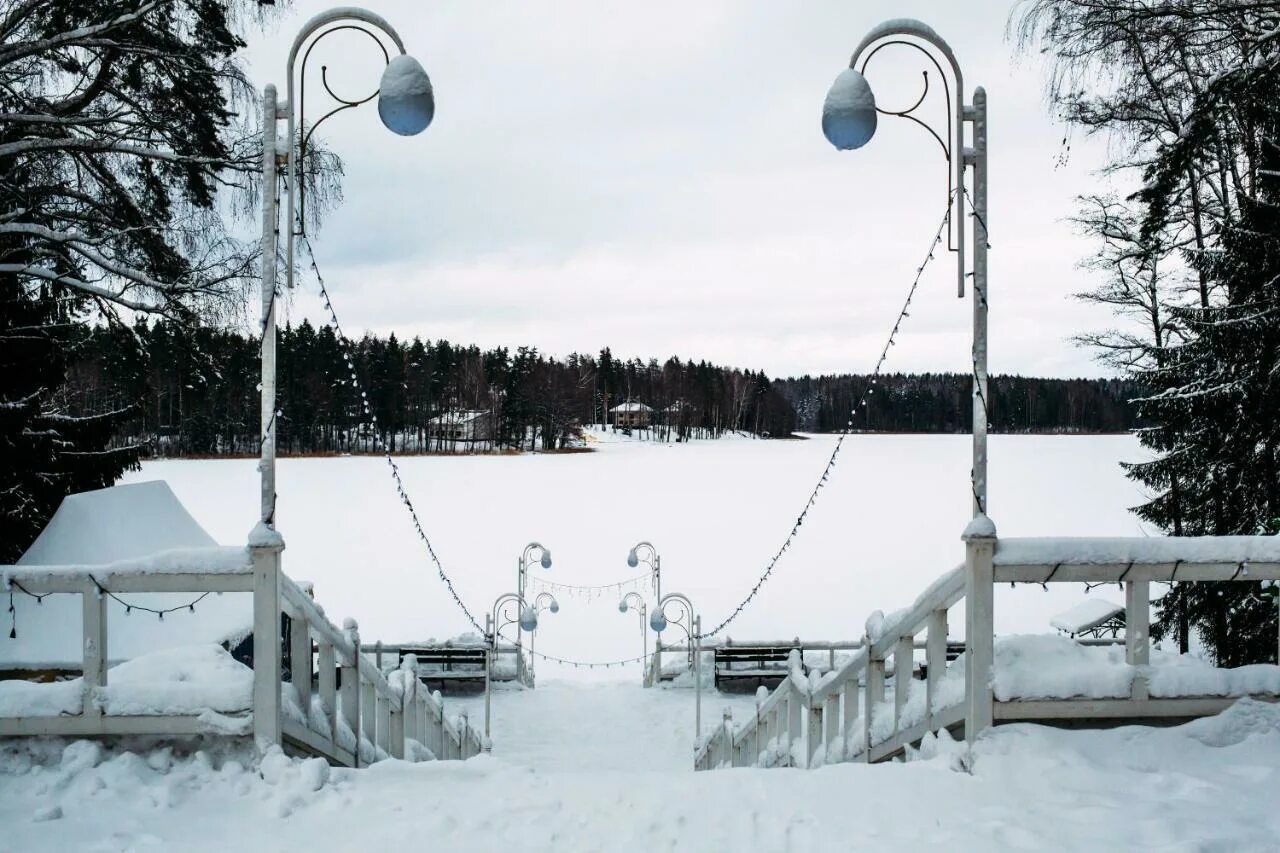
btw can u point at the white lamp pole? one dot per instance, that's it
(849, 121)
(406, 106)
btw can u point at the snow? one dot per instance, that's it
(1153, 549)
(884, 529)
(583, 764)
(134, 529)
(1051, 666)
(980, 528)
(182, 680)
(1206, 785)
(1089, 613)
(403, 77)
(119, 523)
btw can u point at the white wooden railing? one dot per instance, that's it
(359, 715)
(845, 714)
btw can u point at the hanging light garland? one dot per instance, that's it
(377, 438)
(903, 314)
(129, 606)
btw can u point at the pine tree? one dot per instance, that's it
(117, 137)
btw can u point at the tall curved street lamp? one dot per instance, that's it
(522, 578)
(406, 106)
(691, 623)
(636, 600)
(502, 615)
(849, 118)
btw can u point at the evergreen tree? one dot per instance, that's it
(117, 135)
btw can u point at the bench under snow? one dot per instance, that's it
(1086, 616)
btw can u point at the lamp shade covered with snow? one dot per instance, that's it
(406, 104)
(658, 621)
(849, 113)
(528, 619)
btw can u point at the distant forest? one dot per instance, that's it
(943, 402)
(191, 394)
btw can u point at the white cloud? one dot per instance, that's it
(652, 177)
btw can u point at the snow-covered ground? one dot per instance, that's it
(591, 762)
(886, 525)
(600, 767)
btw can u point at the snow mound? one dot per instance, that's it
(185, 680)
(1245, 719)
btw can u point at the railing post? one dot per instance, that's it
(264, 550)
(409, 701)
(813, 737)
(795, 718)
(384, 724)
(979, 593)
(396, 721)
(437, 721)
(1137, 633)
(94, 608)
(873, 696)
(300, 661)
(369, 715)
(327, 663)
(850, 711)
(831, 724)
(935, 652)
(770, 735)
(350, 687)
(903, 663)
(726, 738)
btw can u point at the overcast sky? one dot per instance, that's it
(652, 176)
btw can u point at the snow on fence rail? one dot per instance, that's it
(845, 714)
(355, 715)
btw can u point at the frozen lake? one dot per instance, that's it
(887, 524)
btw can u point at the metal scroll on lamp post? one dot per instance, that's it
(849, 118)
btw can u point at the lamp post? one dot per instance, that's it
(849, 118)
(525, 617)
(405, 105)
(691, 624)
(522, 575)
(635, 599)
(543, 601)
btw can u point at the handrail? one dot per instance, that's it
(827, 710)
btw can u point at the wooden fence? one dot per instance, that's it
(845, 714)
(360, 715)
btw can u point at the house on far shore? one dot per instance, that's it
(465, 425)
(631, 415)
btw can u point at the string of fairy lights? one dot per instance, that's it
(377, 438)
(594, 591)
(861, 404)
(981, 296)
(129, 606)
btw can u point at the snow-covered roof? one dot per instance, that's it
(459, 417)
(1086, 615)
(631, 407)
(121, 524)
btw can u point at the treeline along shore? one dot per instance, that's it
(195, 393)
